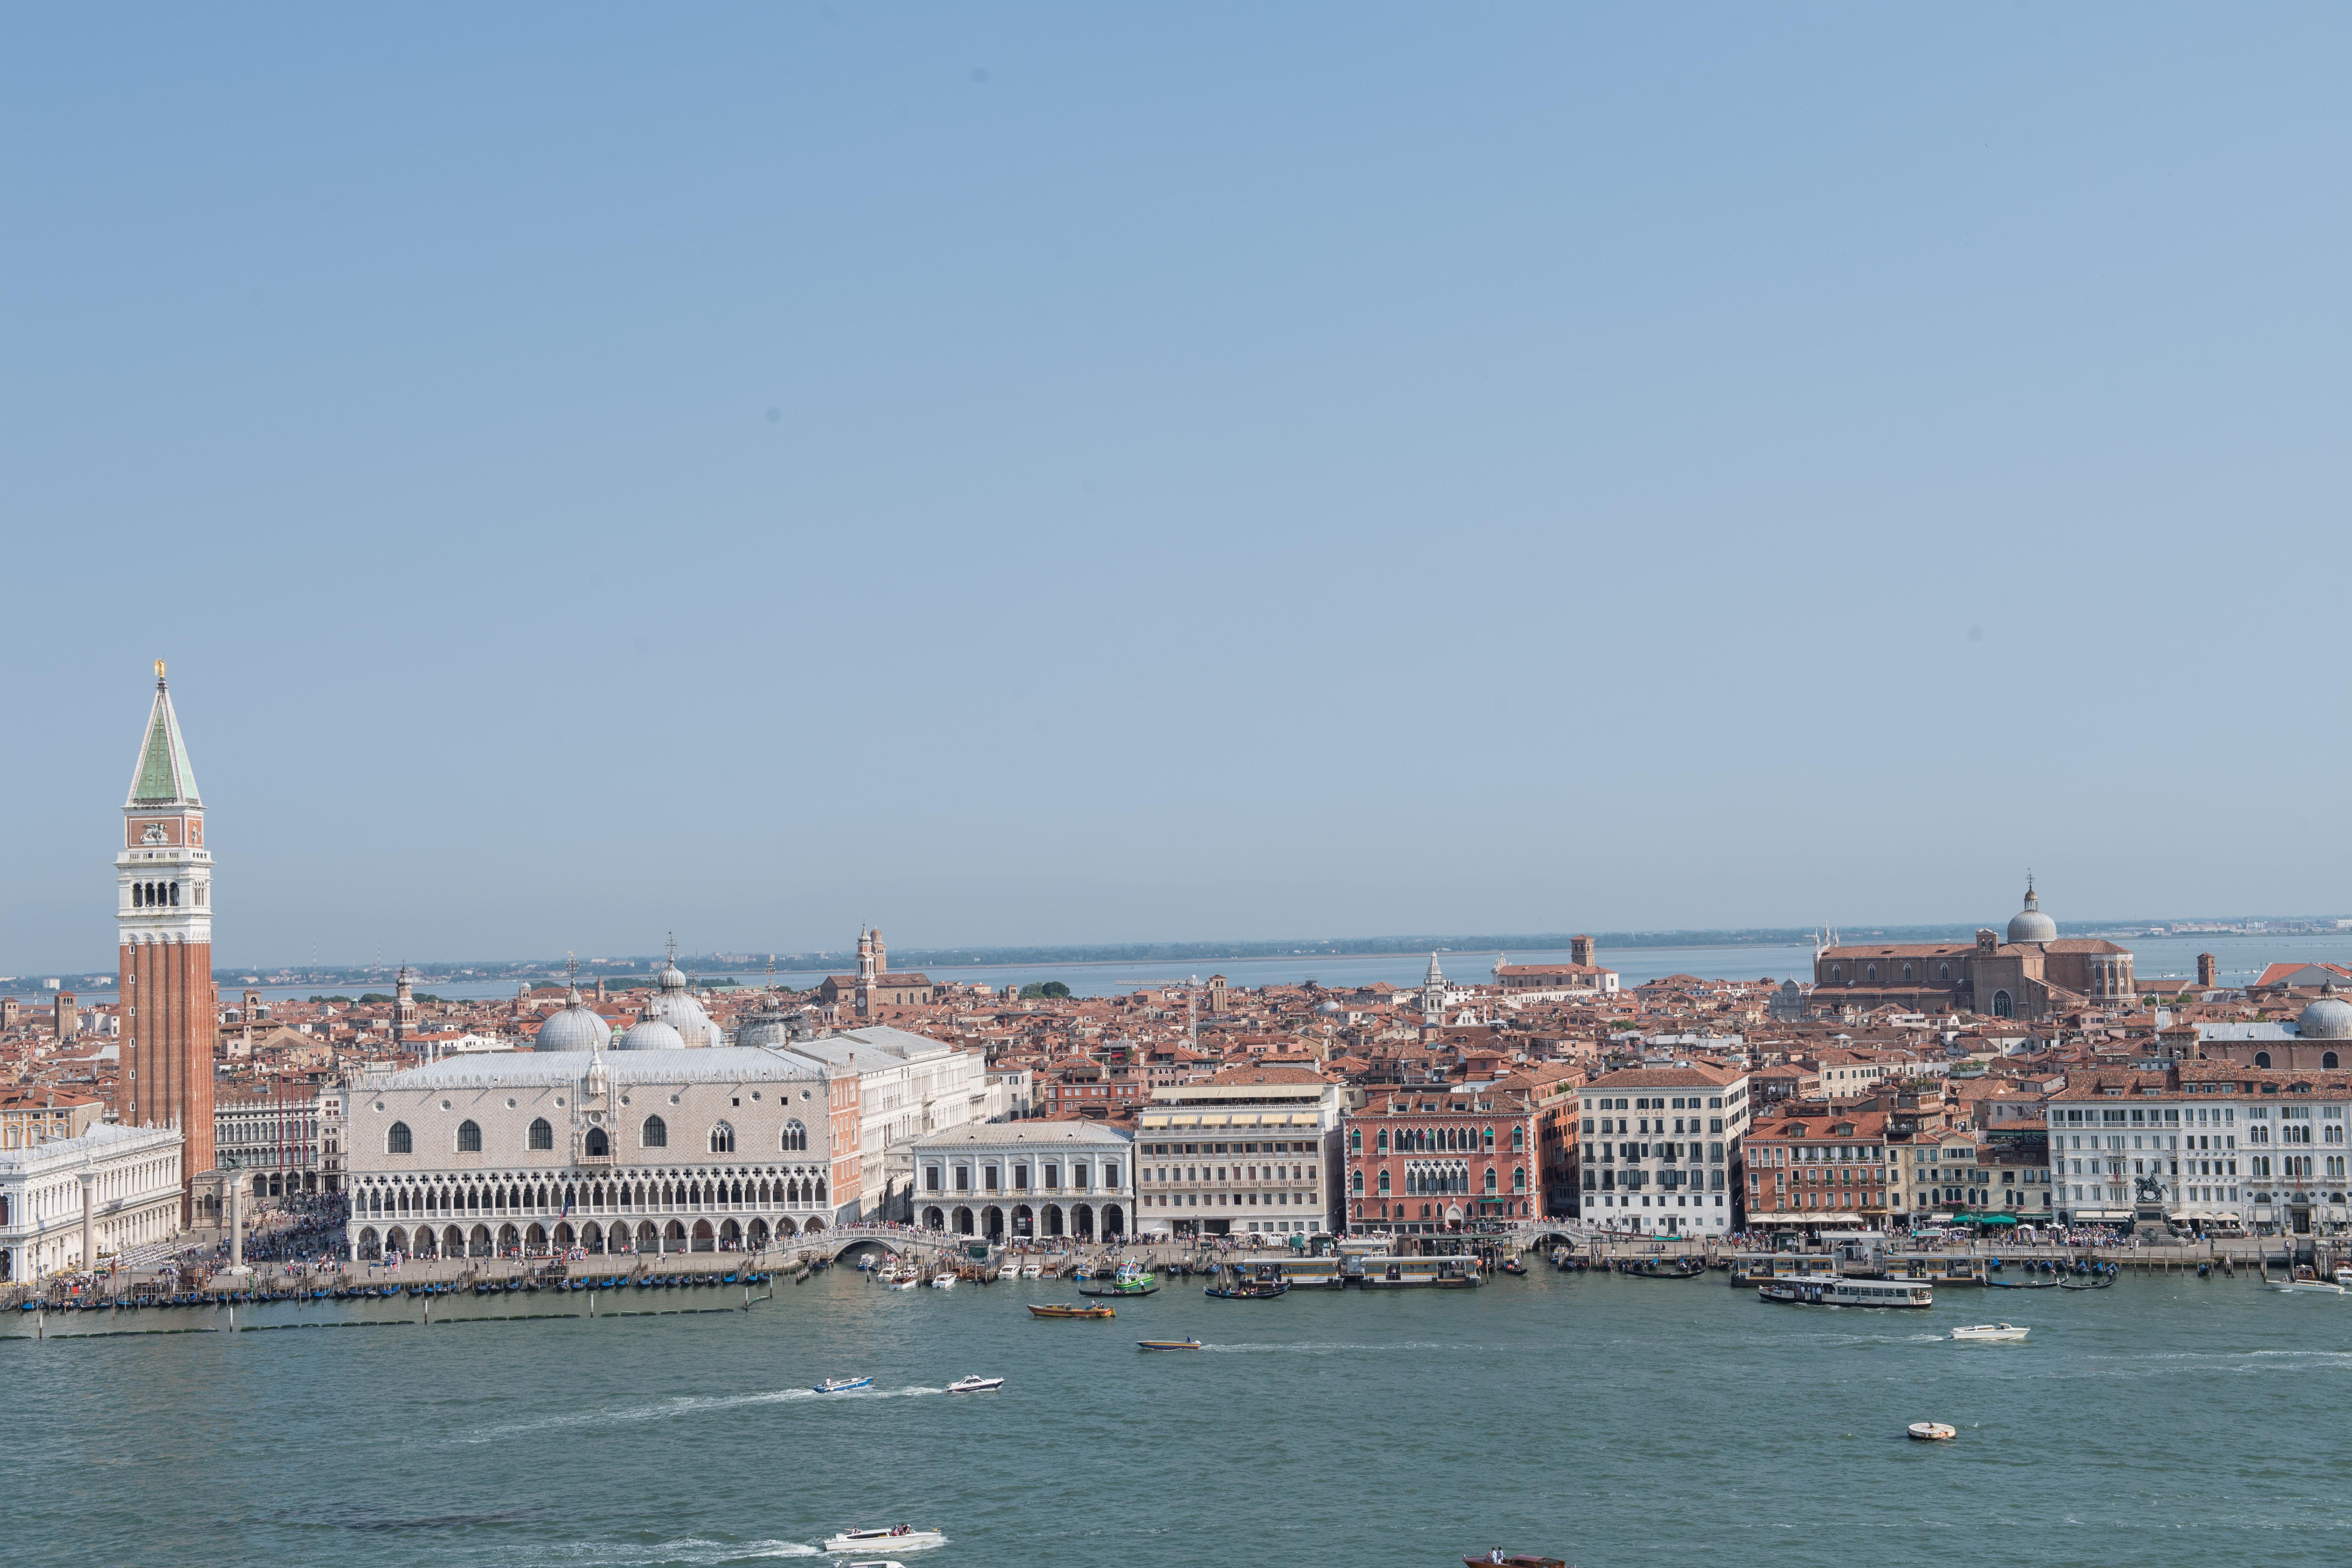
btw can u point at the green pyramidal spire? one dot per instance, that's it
(164, 776)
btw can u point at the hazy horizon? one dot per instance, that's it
(1044, 475)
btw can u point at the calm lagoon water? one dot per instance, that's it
(1605, 1420)
(2174, 957)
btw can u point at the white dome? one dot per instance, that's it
(2329, 1018)
(576, 1028)
(684, 1014)
(670, 979)
(2029, 924)
(651, 1035)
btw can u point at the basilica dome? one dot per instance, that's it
(651, 1034)
(2029, 924)
(2329, 1018)
(576, 1028)
(674, 1006)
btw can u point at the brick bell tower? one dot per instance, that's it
(163, 923)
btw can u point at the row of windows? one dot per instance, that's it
(1837, 972)
(1611, 1179)
(1714, 1124)
(154, 895)
(1456, 1180)
(1434, 1140)
(1658, 1102)
(652, 1134)
(1284, 1148)
(1081, 1176)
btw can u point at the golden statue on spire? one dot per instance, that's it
(159, 670)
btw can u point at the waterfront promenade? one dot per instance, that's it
(491, 1280)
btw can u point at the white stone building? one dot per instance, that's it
(908, 1086)
(1210, 1153)
(660, 1148)
(74, 1202)
(1019, 1180)
(1661, 1148)
(281, 1141)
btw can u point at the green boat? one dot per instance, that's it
(1130, 1280)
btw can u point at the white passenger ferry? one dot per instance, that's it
(1829, 1291)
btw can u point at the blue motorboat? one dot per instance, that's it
(842, 1385)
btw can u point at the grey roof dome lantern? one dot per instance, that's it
(2029, 924)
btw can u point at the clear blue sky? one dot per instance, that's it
(1110, 473)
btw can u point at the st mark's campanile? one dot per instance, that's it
(163, 920)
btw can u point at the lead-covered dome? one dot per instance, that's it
(2329, 1018)
(651, 1034)
(2029, 924)
(575, 1028)
(674, 1005)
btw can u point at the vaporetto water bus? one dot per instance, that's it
(1830, 1290)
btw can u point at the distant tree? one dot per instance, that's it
(368, 997)
(1045, 991)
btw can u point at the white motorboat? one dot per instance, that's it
(943, 1282)
(874, 1562)
(2307, 1287)
(2344, 1275)
(842, 1385)
(1991, 1331)
(975, 1384)
(1931, 1432)
(898, 1537)
(1033, 1271)
(907, 1284)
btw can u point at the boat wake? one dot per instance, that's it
(694, 1550)
(1322, 1348)
(670, 1409)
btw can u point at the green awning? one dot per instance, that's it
(1988, 1219)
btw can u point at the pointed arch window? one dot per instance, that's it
(654, 1134)
(469, 1138)
(396, 1140)
(543, 1135)
(722, 1138)
(598, 1144)
(795, 1136)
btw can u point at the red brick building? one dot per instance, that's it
(1439, 1157)
(1834, 1169)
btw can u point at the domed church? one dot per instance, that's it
(2031, 972)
